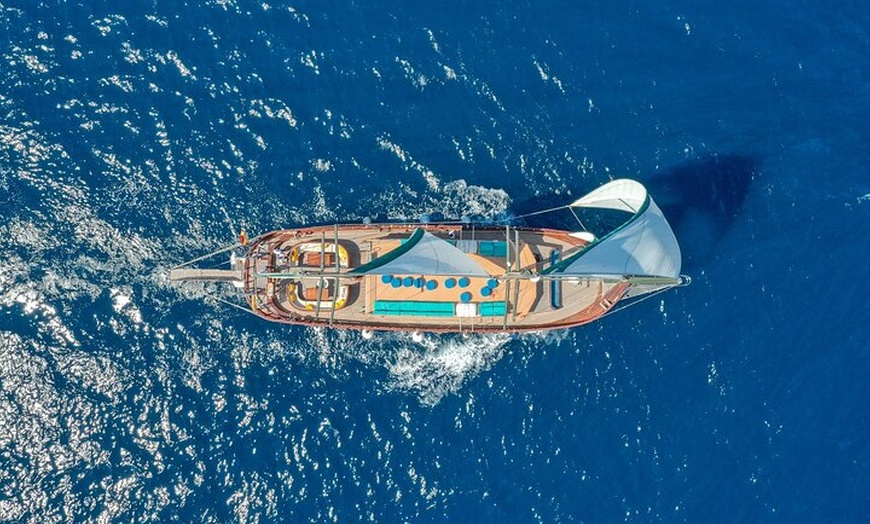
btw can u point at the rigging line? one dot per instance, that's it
(229, 221)
(218, 252)
(228, 303)
(629, 206)
(550, 210)
(218, 264)
(445, 222)
(626, 306)
(578, 218)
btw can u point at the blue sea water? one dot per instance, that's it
(136, 135)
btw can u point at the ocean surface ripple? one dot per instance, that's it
(134, 136)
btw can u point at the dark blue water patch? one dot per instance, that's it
(137, 136)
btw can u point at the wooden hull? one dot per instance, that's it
(282, 284)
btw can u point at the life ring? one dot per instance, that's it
(342, 255)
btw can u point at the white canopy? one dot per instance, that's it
(643, 246)
(423, 254)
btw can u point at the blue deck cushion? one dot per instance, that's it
(465, 297)
(492, 248)
(413, 308)
(450, 283)
(486, 291)
(432, 285)
(386, 279)
(464, 281)
(493, 309)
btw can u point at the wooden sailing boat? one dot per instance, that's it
(457, 277)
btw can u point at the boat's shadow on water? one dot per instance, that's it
(701, 199)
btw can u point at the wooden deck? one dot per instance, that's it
(528, 304)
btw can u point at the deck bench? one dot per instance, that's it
(406, 308)
(413, 308)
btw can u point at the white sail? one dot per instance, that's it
(643, 246)
(423, 254)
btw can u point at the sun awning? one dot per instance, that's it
(423, 254)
